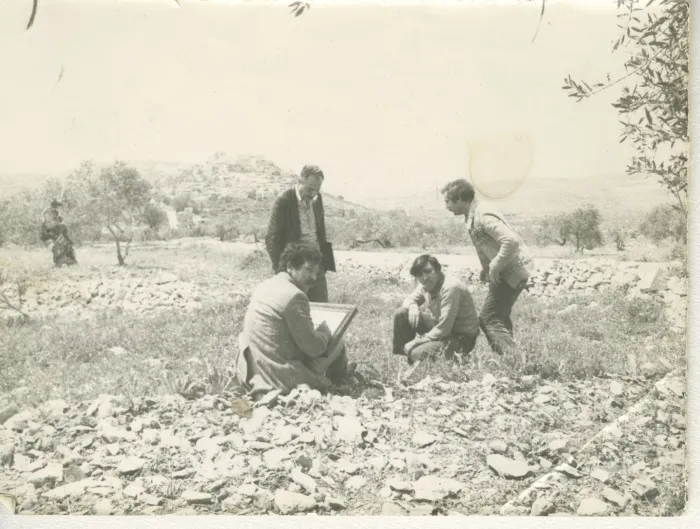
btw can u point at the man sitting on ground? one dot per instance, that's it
(280, 347)
(438, 316)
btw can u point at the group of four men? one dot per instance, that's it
(280, 347)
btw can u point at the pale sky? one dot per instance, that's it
(377, 96)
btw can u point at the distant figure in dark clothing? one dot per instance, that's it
(54, 231)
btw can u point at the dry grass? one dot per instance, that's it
(71, 360)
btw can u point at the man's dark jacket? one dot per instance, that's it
(284, 227)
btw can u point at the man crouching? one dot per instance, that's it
(280, 347)
(438, 316)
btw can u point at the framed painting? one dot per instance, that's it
(337, 316)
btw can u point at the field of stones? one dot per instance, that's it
(117, 397)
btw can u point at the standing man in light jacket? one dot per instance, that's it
(505, 264)
(298, 217)
(280, 347)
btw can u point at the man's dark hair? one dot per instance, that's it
(296, 254)
(420, 262)
(459, 190)
(310, 170)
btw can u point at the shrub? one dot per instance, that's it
(619, 237)
(663, 222)
(580, 228)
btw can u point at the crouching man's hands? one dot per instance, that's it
(414, 315)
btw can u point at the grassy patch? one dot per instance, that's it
(167, 352)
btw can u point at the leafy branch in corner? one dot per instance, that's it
(654, 110)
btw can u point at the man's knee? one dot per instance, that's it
(401, 314)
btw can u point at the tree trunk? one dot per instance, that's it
(120, 257)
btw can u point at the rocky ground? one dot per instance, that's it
(437, 447)
(607, 446)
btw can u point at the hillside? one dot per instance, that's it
(230, 198)
(620, 198)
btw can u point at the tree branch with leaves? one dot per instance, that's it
(654, 107)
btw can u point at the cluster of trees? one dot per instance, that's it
(582, 228)
(653, 102)
(114, 198)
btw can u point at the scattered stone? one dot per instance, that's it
(348, 429)
(422, 439)
(288, 502)
(498, 447)
(488, 380)
(134, 490)
(638, 467)
(344, 406)
(378, 463)
(545, 463)
(601, 475)
(131, 465)
(103, 507)
(648, 369)
(645, 488)
(337, 502)
(569, 471)
(542, 507)
(559, 445)
(274, 458)
(355, 483)
(196, 498)
(70, 489)
(615, 431)
(592, 507)
(8, 411)
(7, 455)
(616, 388)
(346, 466)
(397, 485)
(306, 482)
(434, 488)
(46, 476)
(508, 468)
(615, 497)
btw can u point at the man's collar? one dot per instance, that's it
(296, 190)
(438, 285)
(470, 213)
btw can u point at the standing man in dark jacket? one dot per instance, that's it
(298, 217)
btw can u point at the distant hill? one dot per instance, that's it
(231, 197)
(618, 197)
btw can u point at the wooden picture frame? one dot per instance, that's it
(337, 316)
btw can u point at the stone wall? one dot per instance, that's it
(557, 279)
(140, 291)
(148, 291)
